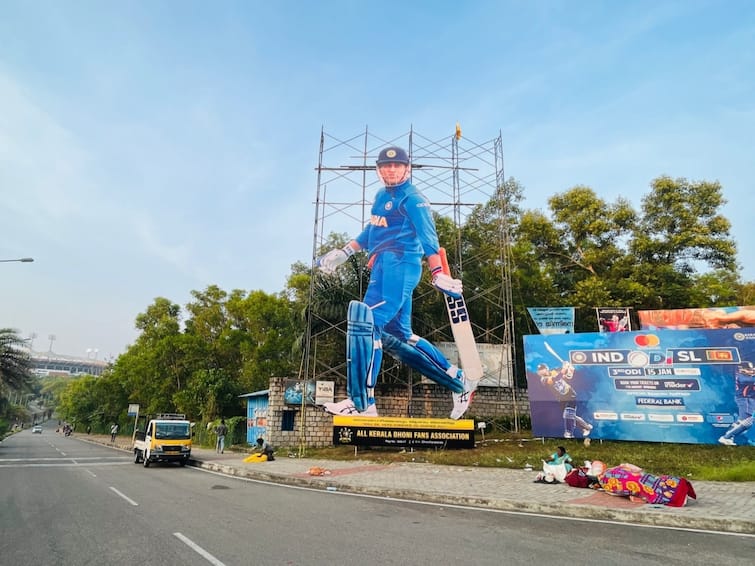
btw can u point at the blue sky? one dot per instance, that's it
(153, 148)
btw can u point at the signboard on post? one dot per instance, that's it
(553, 320)
(133, 411)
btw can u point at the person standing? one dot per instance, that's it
(401, 231)
(113, 432)
(220, 431)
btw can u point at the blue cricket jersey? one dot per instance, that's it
(400, 221)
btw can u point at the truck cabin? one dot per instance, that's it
(170, 430)
(164, 427)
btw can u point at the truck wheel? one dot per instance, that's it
(137, 459)
(145, 458)
(182, 462)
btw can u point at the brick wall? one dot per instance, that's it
(424, 400)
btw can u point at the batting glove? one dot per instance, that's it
(331, 260)
(447, 284)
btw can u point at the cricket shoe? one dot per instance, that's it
(586, 431)
(347, 408)
(568, 434)
(370, 411)
(463, 399)
(726, 441)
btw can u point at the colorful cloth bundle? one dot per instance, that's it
(629, 480)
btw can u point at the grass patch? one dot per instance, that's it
(509, 450)
(741, 471)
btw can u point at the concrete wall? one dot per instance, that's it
(430, 401)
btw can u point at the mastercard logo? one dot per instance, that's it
(647, 340)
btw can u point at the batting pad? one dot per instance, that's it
(359, 352)
(422, 362)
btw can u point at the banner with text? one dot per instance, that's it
(711, 317)
(553, 320)
(400, 432)
(664, 386)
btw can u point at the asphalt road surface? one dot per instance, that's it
(67, 502)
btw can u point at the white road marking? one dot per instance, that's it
(64, 465)
(91, 473)
(127, 498)
(58, 459)
(198, 549)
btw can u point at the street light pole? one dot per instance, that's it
(21, 259)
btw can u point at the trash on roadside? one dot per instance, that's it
(318, 471)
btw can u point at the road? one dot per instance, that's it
(68, 502)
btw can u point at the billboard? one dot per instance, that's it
(682, 386)
(611, 319)
(294, 392)
(706, 317)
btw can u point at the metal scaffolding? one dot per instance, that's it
(463, 180)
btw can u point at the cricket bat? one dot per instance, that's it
(552, 351)
(461, 328)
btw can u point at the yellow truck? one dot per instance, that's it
(166, 438)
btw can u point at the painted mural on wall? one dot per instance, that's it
(687, 386)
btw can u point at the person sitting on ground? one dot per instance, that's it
(556, 468)
(560, 456)
(264, 447)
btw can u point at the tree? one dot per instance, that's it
(680, 233)
(15, 362)
(267, 332)
(210, 393)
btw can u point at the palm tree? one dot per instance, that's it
(15, 362)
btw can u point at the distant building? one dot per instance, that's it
(49, 363)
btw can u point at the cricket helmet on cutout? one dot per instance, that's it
(393, 154)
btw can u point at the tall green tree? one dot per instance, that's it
(15, 362)
(268, 330)
(161, 360)
(681, 233)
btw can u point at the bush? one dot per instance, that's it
(205, 435)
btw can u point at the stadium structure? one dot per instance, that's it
(52, 364)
